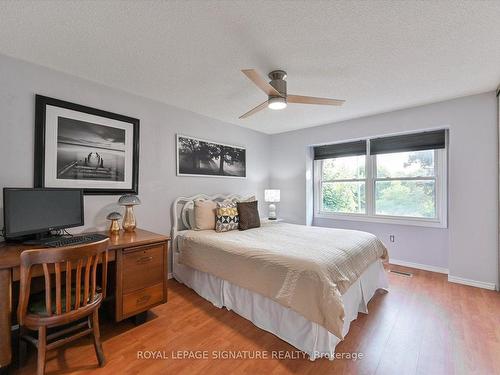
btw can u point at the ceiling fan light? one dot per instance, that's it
(276, 103)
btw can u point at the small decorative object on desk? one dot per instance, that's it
(272, 196)
(114, 217)
(129, 201)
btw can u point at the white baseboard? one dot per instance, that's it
(451, 279)
(477, 284)
(419, 266)
(170, 275)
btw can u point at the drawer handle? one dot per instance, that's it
(142, 300)
(145, 259)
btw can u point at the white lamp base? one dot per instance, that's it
(272, 212)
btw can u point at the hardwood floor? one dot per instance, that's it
(424, 325)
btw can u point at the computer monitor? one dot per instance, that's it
(36, 212)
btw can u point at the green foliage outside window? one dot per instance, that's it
(346, 197)
(411, 198)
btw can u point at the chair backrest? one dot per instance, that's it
(61, 262)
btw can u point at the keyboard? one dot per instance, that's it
(75, 240)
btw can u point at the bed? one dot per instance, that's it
(303, 284)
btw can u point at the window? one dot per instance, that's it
(343, 184)
(405, 184)
(398, 179)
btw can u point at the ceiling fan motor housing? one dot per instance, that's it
(278, 81)
(276, 91)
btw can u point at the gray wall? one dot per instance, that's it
(158, 184)
(468, 247)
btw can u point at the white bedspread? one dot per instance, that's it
(304, 268)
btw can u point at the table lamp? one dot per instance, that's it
(272, 196)
(129, 201)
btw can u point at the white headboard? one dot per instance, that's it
(182, 210)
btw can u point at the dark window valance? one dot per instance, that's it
(430, 140)
(339, 150)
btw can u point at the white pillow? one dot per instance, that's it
(249, 199)
(187, 214)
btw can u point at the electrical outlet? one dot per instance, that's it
(391, 238)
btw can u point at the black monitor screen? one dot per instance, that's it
(30, 211)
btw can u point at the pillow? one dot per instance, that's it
(204, 214)
(249, 215)
(187, 215)
(249, 199)
(227, 217)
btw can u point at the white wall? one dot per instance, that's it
(158, 183)
(468, 247)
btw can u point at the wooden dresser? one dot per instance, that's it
(141, 270)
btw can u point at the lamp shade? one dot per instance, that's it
(129, 200)
(272, 195)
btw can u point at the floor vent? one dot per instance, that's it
(401, 273)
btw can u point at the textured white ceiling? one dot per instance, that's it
(378, 55)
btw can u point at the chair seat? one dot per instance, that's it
(37, 304)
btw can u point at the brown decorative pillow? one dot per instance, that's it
(249, 215)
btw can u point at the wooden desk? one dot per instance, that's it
(141, 278)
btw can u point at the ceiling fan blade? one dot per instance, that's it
(261, 83)
(260, 107)
(313, 100)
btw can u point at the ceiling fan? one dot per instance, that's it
(277, 95)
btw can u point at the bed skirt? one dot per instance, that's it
(288, 325)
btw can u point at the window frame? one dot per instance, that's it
(440, 178)
(340, 180)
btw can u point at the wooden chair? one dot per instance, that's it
(81, 299)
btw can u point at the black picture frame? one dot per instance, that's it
(198, 157)
(41, 103)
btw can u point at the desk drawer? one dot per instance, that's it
(142, 267)
(141, 300)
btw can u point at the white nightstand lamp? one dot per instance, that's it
(272, 196)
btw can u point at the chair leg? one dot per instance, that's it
(22, 348)
(97, 339)
(42, 350)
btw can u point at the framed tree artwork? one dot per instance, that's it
(85, 148)
(199, 157)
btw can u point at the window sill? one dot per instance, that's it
(382, 219)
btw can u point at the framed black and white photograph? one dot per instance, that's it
(85, 148)
(199, 157)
